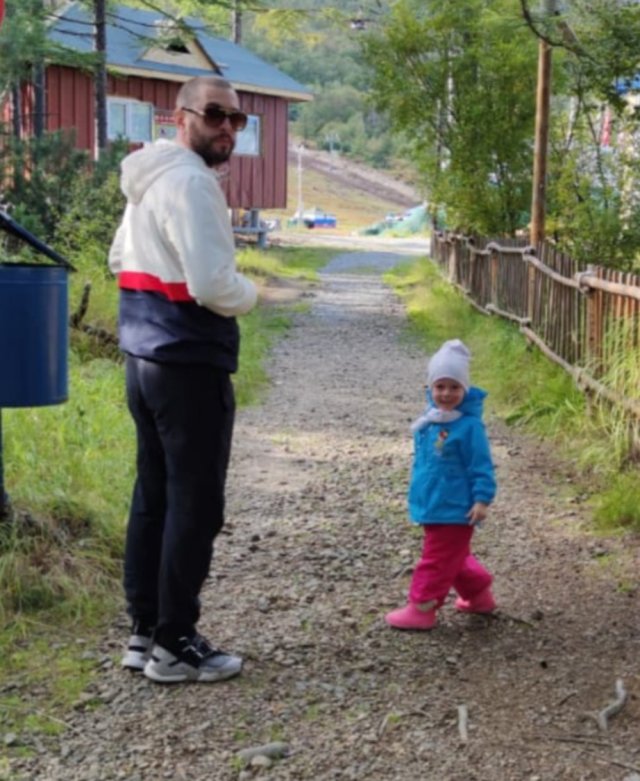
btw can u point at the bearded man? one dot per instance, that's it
(180, 292)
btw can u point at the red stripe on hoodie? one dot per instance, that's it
(137, 280)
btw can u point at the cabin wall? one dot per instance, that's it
(253, 183)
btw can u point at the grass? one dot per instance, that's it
(54, 686)
(69, 471)
(527, 389)
(619, 505)
(284, 262)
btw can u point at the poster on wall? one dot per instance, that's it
(163, 124)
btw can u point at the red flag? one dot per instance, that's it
(1, 12)
(605, 133)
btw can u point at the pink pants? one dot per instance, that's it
(447, 563)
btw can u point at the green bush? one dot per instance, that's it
(40, 176)
(93, 212)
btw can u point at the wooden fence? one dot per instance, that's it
(585, 319)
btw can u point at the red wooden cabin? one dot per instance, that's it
(147, 61)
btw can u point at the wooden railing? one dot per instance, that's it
(585, 319)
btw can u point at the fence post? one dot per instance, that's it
(593, 331)
(469, 268)
(494, 270)
(531, 284)
(453, 258)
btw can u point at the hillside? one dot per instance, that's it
(358, 176)
(357, 194)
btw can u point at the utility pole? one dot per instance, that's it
(543, 93)
(300, 150)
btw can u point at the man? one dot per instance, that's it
(179, 294)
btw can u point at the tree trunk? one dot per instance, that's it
(16, 102)
(236, 23)
(38, 100)
(38, 77)
(100, 78)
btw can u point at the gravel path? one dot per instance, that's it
(318, 548)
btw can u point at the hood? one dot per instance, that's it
(472, 404)
(141, 168)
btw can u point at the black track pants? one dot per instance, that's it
(184, 422)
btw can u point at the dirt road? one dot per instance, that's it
(318, 548)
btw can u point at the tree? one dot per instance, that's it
(222, 17)
(593, 183)
(601, 39)
(24, 51)
(459, 80)
(23, 31)
(319, 45)
(100, 76)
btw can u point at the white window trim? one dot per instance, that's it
(129, 104)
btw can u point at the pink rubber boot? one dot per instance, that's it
(481, 603)
(413, 616)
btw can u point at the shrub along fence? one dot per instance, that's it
(585, 319)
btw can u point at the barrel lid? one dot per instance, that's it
(8, 224)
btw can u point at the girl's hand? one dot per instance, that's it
(478, 513)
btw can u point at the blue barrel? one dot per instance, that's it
(34, 334)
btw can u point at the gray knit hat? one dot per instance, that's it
(450, 362)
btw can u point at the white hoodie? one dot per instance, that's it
(175, 236)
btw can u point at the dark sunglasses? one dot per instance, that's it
(214, 116)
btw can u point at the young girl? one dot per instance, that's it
(452, 486)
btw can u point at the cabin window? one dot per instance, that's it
(130, 119)
(176, 46)
(248, 141)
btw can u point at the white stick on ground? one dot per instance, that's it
(463, 722)
(614, 707)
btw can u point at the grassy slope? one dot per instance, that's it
(354, 208)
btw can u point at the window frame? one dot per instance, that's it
(130, 105)
(254, 125)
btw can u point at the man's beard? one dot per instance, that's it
(212, 157)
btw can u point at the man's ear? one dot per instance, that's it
(179, 118)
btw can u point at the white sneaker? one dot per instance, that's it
(139, 647)
(193, 659)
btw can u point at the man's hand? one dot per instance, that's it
(478, 513)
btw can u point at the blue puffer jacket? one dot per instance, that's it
(452, 467)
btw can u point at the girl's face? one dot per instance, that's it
(447, 394)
